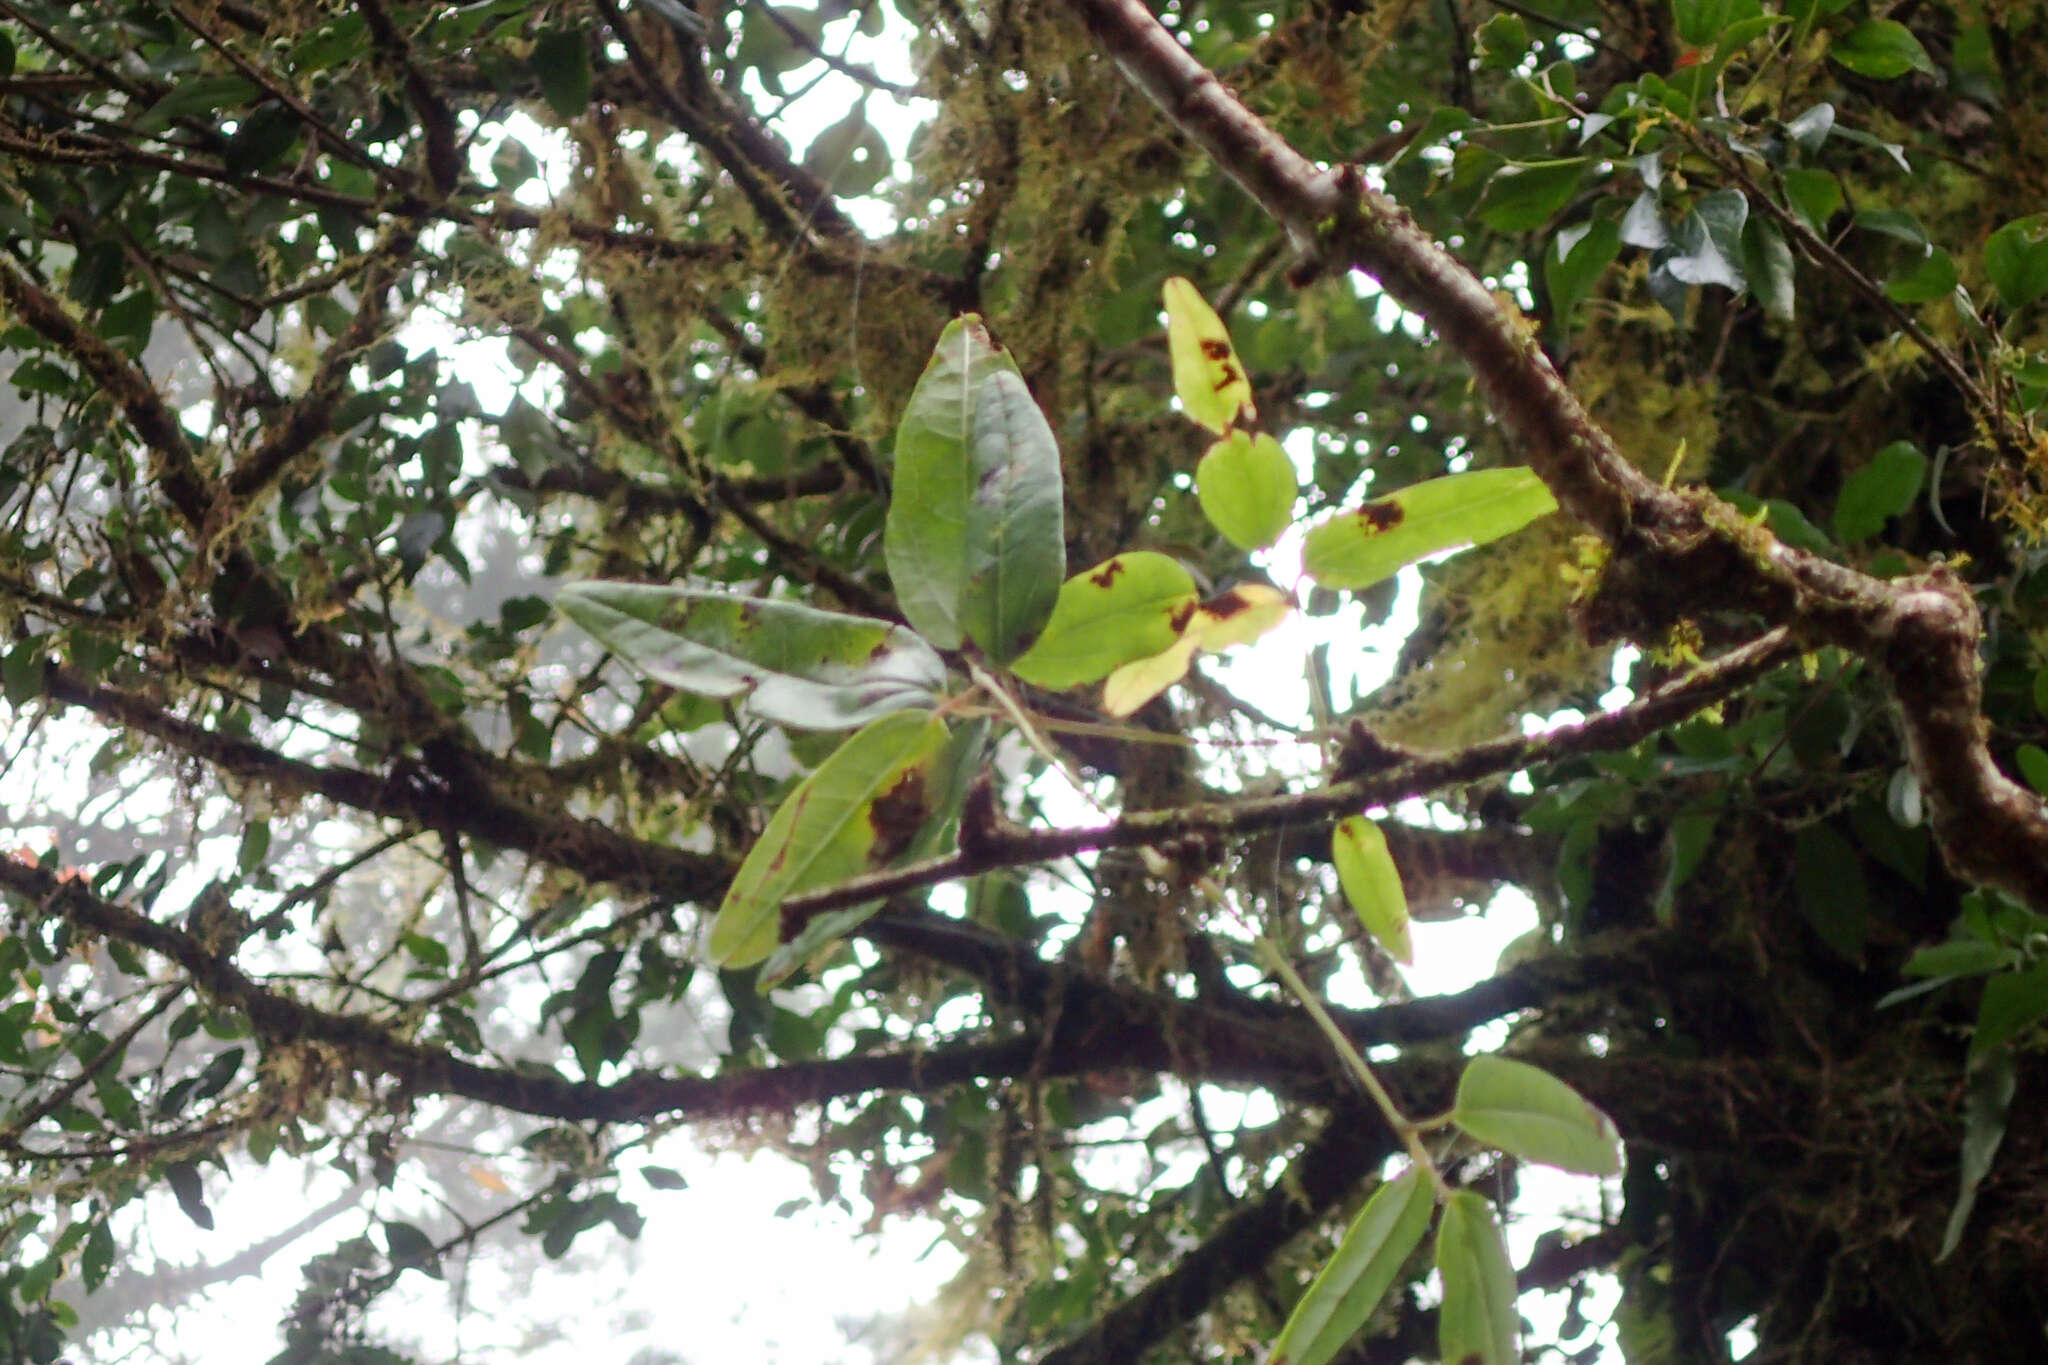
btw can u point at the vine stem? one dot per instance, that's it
(1404, 1128)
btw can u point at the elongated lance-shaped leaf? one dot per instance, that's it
(1247, 488)
(1372, 884)
(948, 780)
(1477, 1324)
(1985, 1104)
(1342, 1299)
(1528, 1112)
(1358, 548)
(1207, 376)
(1131, 606)
(975, 540)
(859, 811)
(792, 664)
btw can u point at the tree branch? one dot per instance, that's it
(1003, 844)
(1675, 555)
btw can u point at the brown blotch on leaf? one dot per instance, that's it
(1214, 349)
(1106, 575)
(1181, 616)
(1225, 605)
(1229, 376)
(1380, 516)
(896, 816)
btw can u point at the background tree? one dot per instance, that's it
(336, 845)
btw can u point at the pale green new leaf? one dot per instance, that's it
(975, 541)
(1358, 1275)
(1477, 1324)
(1358, 548)
(792, 664)
(1128, 607)
(1372, 884)
(1207, 375)
(859, 811)
(1247, 487)
(1531, 1114)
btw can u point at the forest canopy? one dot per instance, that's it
(952, 590)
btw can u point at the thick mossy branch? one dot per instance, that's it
(1675, 555)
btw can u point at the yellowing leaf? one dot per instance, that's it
(1372, 884)
(1138, 682)
(1206, 373)
(1128, 607)
(859, 811)
(1234, 617)
(1247, 487)
(1358, 548)
(1528, 1112)
(488, 1179)
(1238, 616)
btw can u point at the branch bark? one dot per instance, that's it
(1674, 555)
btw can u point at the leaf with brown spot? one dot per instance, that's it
(1358, 548)
(1129, 607)
(845, 819)
(1206, 374)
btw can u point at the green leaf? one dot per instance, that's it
(411, 1249)
(1960, 957)
(190, 1192)
(1986, 1101)
(2011, 1002)
(946, 781)
(2016, 260)
(1372, 884)
(1502, 42)
(1358, 1274)
(1810, 129)
(202, 95)
(850, 156)
(1577, 261)
(974, 540)
(1358, 548)
(1131, 606)
(1207, 375)
(1882, 49)
(859, 811)
(1932, 277)
(2033, 765)
(791, 664)
(1815, 196)
(1827, 877)
(1525, 1111)
(1767, 264)
(1698, 23)
(561, 63)
(1477, 1324)
(1247, 487)
(1519, 198)
(1883, 489)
